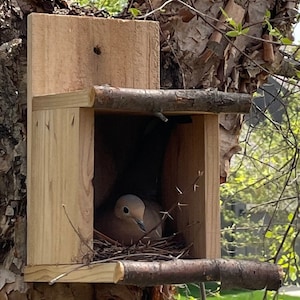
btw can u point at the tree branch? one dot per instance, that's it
(170, 101)
(232, 273)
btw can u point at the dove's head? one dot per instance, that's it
(131, 208)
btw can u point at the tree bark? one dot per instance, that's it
(12, 148)
(232, 273)
(170, 101)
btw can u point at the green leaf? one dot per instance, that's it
(270, 27)
(233, 33)
(290, 217)
(286, 41)
(134, 12)
(232, 22)
(292, 272)
(229, 20)
(224, 13)
(245, 30)
(256, 94)
(239, 27)
(111, 6)
(268, 14)
(275, 32)
(269, 234)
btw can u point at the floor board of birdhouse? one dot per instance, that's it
(93, 273)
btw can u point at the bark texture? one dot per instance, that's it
(170, 101)
(232, 273)
(195, 53)
(12, 148)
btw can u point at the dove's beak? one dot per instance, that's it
(141, 225)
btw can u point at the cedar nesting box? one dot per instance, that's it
(67, 56)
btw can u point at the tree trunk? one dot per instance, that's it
(194, 54)
(12, 149)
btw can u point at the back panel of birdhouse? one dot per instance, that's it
(67, 53)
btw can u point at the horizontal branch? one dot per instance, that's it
(169, 101)
(148, 102)
(232, 273)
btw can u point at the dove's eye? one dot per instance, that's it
(125, 210)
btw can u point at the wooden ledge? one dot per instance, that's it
(146, 101)
(81, 98)
(94, 273)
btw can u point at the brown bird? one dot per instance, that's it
(130, 220)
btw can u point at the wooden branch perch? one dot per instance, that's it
(170, 101)
(142, 101)
(232, 273)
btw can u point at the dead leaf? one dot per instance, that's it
(185, 14)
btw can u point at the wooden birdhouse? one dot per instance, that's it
(74, 65)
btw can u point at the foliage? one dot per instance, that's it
(237, 27)
(275, 31)
(266, 177)
(134, 12)
(111, 6)
(192, 293)
(261, 201)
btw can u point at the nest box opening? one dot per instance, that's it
(129, 157)
(165, 162)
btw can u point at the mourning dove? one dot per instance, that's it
(130, 220)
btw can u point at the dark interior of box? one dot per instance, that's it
(129, 158)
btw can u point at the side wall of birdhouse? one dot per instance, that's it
(191, 180)
(60, 208)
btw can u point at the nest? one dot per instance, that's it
(167, 248)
